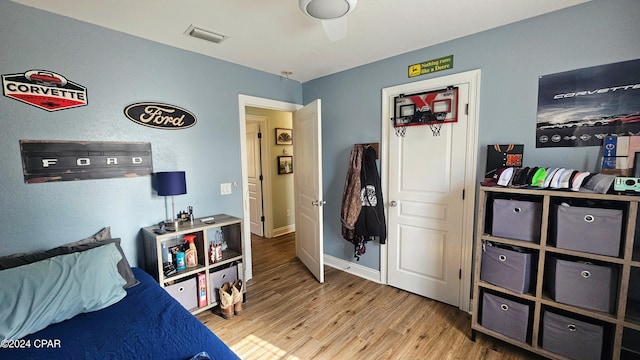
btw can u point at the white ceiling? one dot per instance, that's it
(274, 35)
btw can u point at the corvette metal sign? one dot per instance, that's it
(44, 89)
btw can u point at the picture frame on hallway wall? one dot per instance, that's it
(285, 165)
(284, 136)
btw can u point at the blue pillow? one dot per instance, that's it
(36, 295)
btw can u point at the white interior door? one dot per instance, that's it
(307, 169)
(426, 180)
(254, 175)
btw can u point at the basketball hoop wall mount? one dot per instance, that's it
(433, 108)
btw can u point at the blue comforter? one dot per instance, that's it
(147, 324)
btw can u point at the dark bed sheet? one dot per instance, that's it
(147, 324)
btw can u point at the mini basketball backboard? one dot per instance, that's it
(432, 108)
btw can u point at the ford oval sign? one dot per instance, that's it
(160, 116)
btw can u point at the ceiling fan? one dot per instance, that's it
(331, 13)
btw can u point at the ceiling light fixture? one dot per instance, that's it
(331, 13)
(327, 9)
(205, 34)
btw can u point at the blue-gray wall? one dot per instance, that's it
(118, 70)
(511, 59)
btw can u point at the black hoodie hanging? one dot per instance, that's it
(371, 222)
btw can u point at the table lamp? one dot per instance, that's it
(170, 183)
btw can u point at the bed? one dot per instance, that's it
(145, 323)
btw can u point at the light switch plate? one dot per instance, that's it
(225, 188)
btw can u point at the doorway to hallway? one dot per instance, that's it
(308, 199)
(270, 191)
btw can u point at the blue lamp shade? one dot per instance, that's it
(171, 183)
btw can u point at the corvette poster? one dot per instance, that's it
(582, 107)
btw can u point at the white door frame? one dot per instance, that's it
(244, 101)
(473, 78)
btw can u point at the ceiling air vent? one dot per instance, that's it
(205, 34)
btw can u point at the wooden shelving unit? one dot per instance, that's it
(231, 229)
(622, 327)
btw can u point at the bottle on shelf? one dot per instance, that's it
(180, 261)
(166, 256)
(191, 255)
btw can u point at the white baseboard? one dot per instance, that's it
(284, 230)
(352, 268)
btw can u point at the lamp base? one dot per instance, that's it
(171, 225)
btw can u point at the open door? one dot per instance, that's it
(307, 166)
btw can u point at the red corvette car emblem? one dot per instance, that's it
(44, 89)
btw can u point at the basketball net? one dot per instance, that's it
(400, 130)
(435, 126)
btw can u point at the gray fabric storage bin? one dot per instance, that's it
(185, 292)
(592, 230)
(507, 317)
(516, 219)
(583, 284)
(631, 339)
(506, 268)
(571, 338)
(218, 278)
(633, 293)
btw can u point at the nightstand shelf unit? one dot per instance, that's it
(224, 228)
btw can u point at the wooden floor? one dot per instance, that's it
(289, 315)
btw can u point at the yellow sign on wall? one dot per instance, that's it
(443, 63)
